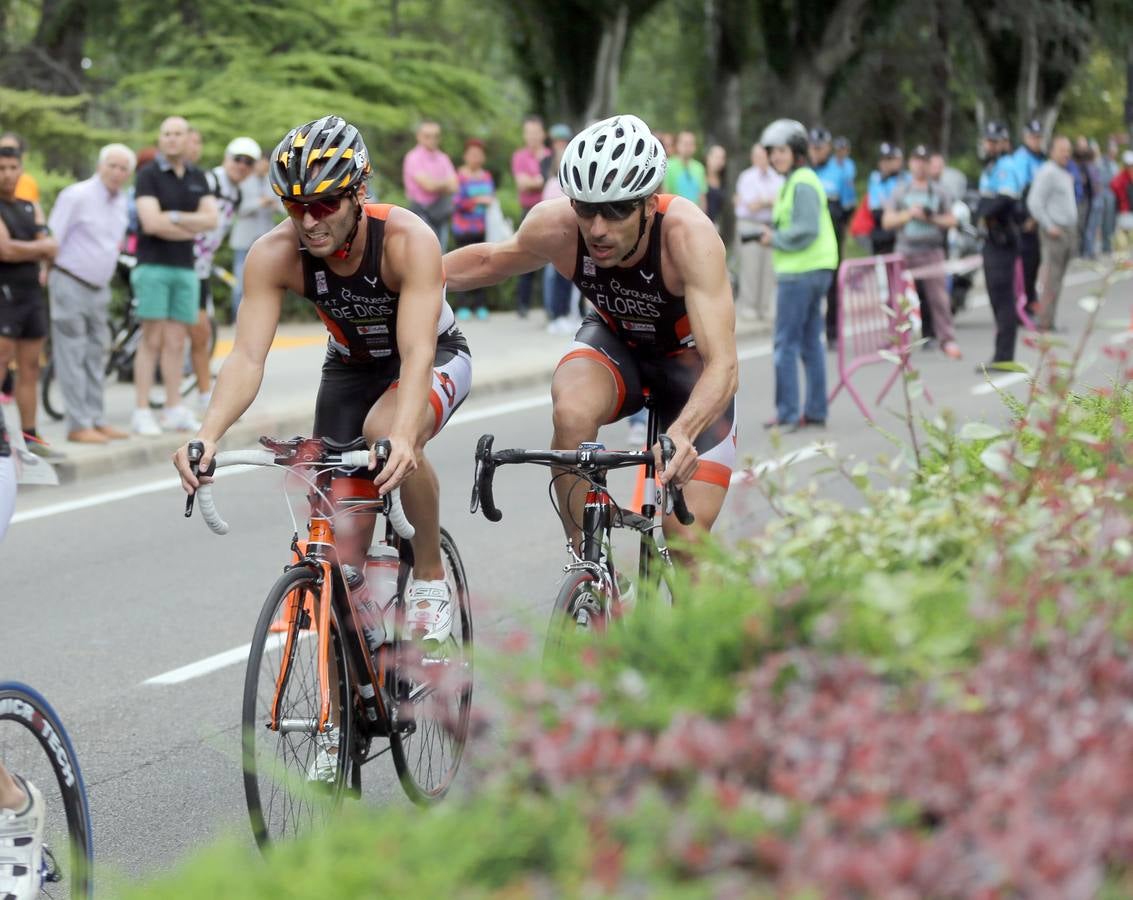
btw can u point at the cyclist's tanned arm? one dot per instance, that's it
(414, 259)
(481, 265)
(240, 377)
(699, 255)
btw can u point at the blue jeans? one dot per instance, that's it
(799, 324)
(556, 293)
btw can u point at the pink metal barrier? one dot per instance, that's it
(869, 294)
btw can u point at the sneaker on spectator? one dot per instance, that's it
(40, 447)
(481, 313)
(144, 423)
(179, 419)
(429, 610)
(204, 398)
(324, 767)
(637, 434)
(21, 847)
(464, 314)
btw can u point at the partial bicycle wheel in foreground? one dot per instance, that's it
(35, 746)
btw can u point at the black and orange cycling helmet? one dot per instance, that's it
(320, 159)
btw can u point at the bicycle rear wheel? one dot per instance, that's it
(294, 777)
(581, 607)
(35, 746)
(436, 696)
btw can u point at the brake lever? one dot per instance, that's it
(196, 450)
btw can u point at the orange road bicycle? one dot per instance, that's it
(329, 675)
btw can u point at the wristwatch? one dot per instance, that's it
(175, 217)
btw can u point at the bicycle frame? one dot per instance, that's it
(320, 552)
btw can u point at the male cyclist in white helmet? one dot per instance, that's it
(664, 321)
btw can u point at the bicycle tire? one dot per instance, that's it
(283, 804)
(581, 606)
(48, 395)
(23, 709)
(441, 729)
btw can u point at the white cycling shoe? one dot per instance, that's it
(324, 767)
(21, 847)
(429, 611)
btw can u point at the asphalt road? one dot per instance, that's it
(108, 585)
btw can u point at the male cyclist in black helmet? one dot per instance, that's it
(374, 273)
(653, 266)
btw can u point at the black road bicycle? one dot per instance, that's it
(593, 590)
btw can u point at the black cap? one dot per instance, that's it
(819, 135)
(1033, 127)
(996, 131)
(841, 143)
(889, 151)
(920, 151)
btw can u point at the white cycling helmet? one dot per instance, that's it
(615, 159)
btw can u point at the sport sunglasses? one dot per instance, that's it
(319, 209)
(616, 211)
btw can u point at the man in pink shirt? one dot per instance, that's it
(430, 180)
(528, 165)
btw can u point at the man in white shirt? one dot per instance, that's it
(756, 191)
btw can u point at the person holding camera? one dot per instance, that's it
(920, 212)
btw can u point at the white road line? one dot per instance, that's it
(213, 663)
(999, 382)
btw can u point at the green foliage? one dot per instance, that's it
(1094, 98)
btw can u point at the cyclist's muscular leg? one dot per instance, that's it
(420, 492)
(584, 396)
(12, 796)
(704, 500)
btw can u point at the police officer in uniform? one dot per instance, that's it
(997, 215)
(1027, 158)
(832, 174)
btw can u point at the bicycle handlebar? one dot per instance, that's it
(348, 459)
(487, 460)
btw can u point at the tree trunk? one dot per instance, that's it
(1027, 92)
(1129, 88)
(604, 90)
(945, 71)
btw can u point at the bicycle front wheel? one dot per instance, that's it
(35, 746)
(294, 776)
(436, 696)
(581, 607)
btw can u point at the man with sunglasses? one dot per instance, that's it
(664, 321)
(374, 273)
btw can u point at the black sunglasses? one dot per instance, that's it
(11, 151)
(243, 160)
(617, 211)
